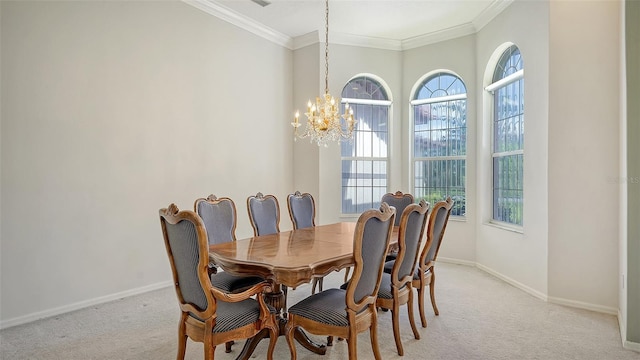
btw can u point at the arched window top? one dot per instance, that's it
(440, 84)
(364, 87)
(510, 62)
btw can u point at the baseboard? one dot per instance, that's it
(582, 305)
(513, 282)
(80, 305)
(456, 261)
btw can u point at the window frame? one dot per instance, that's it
(493, 88)
(424, 159)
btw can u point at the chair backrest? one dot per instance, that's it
(219, 218)
(398, 201)
(187, 246)
(302, 210)
(264, 214)
(370, 243)
(410, 234)
(435, 230)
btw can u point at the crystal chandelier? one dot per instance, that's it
(324, 122)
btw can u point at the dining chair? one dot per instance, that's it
(264, 214)
(220, 220)
(395, 287)
(302, 211)
(425, 270)
(347, 312)
(398, 200)
(209, 315)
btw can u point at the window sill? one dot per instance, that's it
(506, 226)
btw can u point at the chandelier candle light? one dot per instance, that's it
(324, 122)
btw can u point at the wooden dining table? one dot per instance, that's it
(289, 258)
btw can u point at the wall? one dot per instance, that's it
(110, 111)
(583, 138)
(455, 55)
(518, 257)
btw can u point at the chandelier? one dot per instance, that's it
(324, 122)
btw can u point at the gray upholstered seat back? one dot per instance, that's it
(265, 214)
(413, 231)
(183, 244)
(441, 216)
(373, 251)
(398, 201)
(219, 220)
(302, 210)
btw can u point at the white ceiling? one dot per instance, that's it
(383, 20)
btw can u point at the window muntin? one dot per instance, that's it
(440, 140)
(508, 138)
(365, 159)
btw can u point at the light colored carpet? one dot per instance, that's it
(481, 317)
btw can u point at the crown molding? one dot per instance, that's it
(241, 21)
(248, 24)
(489, 13)
(438, 36)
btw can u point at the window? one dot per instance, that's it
(440, 140)
(364, 160)
(508, 137)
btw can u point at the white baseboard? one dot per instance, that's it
(456, 261)
(513, 282)
(81, 304)
(583, 305)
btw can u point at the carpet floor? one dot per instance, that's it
(481, 317)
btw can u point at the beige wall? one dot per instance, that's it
(111, 110)
(583, 138)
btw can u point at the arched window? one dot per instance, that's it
(365, 159)
(507, 88)
(440, 140)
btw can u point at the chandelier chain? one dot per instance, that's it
(326, 48)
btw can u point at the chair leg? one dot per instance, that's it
(284, 305)
(352, 345)
(316, 282)
(273, 337)
(373, 334)
(182, 337)
(396, 328)
(412, 321)
(227, 346)
(346, 274)
(432, 292)
(423, 318)
(289, 332)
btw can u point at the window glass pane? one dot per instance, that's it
(440, 130)
(364, 180)
(508, 188)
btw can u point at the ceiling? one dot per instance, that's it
(384, 20)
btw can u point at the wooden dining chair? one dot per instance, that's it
(395, 287)
(209, 315)
(398, 200)
(345, 313)
(264, 214)
(302, 211)
(220, 220)
(425, 272)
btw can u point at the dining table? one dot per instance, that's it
(289, 258)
